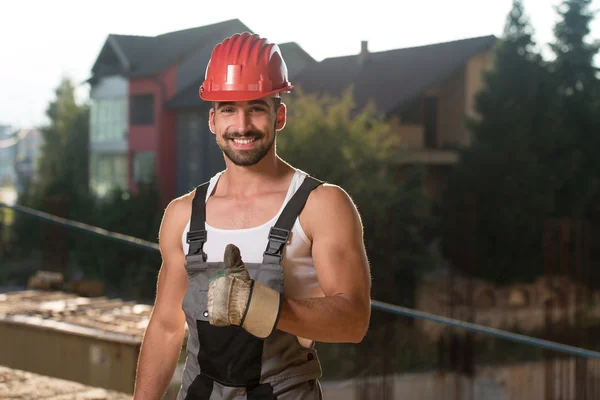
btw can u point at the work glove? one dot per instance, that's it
(236, 299)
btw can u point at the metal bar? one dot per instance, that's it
(391, 308)
(515, 337)
(84, 227)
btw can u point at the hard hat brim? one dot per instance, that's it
(232, 95)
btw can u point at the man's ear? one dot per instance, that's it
(281, 117)
(211, 120)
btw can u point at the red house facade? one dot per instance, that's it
(152, 132)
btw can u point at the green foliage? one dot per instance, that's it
(331, 139)
(578, 93)
(574, 53)
(62, 190)
(510, 186)
(125, 269)
(526, 162)
(63, 166)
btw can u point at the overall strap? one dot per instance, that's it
(196, 236)
(280, 232)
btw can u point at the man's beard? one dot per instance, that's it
(249, 157)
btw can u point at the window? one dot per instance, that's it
(412, 113)
(142, 109)
(430, 122)
(196, 157)
(143, 167)
(108, 119)
(107, 172)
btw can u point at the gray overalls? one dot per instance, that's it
(226, 363)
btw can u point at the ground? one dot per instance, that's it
(21, 385)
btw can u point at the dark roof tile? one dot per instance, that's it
(169, 47)
(288, 47)
(391, 77)
(149, 55)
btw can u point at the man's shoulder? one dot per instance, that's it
(328, 196)
(179, 209)
(327, 203)
(175, 218)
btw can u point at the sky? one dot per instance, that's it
(43, 40)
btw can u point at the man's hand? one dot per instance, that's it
(235, 299)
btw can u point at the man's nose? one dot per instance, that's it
(243, 123)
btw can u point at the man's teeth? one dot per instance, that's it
(244, 141)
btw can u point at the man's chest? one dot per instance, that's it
(235, 213)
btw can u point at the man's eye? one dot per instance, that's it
(226, 110)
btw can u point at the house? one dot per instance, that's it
(147, 121)
(425, 92)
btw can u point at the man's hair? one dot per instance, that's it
(276, 103)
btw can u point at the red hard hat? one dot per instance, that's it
(244, 67)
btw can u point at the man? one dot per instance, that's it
(262, 261)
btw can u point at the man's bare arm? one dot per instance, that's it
(330, 218)
(164, 335)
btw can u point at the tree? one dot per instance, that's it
(330, 138)
(125, 269)
(578, 90)
(63, 167)
(336, 142)
(574, 62)
(62, 190)
(63, 174)
(517, 161)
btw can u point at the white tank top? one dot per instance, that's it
(299, 275)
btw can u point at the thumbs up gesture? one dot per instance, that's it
(236, 299)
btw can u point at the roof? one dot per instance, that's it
(17, 384)
(142, 56)
(98, 317)
(289, 47)
(190, 98)
(390, 78)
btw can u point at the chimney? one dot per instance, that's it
(364, 52)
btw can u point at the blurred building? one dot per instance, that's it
(147, 121)
(27, 154)
(7, 155)
(19, 153)
(426, 93)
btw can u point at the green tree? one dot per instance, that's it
(63, 166)
(331, 139)
(578, 91)
(62, 190)
(516, 161)
(126, 270)
(574, 62)
(62, 183)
